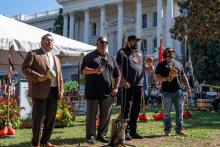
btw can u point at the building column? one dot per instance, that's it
(65, 25)
(169, 22)
(86, 26)
(138, 18)
(120, 25)
(177, 42)
(76, 35)
(149, 45)
(103, 21)
(72, 26)
(159, 20)
(149, 19)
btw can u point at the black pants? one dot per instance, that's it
(215, 104)
(43, 115)
(131, 104)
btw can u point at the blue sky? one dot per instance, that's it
(14, 7)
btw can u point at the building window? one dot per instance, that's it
(144, 20)
(144, 46)
(94, 29)
(155, 43)
(154, 19)
(68, 26)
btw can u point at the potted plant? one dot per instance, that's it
(65, 114)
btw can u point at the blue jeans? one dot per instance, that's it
(177, 99)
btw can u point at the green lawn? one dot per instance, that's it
(203, 130)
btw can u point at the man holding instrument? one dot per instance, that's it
(43, 71)
(99, 69)
(171, 75)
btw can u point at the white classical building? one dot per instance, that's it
(43, 20)
(85, 20)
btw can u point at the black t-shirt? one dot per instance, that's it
(99, 86)
(132, 65)
(163, 69)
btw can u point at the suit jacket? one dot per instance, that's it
(35, 63)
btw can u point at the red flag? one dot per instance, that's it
(161, 51)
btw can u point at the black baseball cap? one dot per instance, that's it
(133, 37)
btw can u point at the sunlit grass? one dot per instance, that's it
(200, 127)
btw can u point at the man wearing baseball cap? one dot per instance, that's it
(130, 61)
(170, 74)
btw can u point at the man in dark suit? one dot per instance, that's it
(43, 71)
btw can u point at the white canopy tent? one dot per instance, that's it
(25, 37)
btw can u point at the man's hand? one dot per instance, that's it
(169, 78)
(127, 85)
(42, 78)
(149, 67)
(114, 91)
(99, 70)
(189, 92)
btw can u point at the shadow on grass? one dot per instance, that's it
(68, 141)
(59, 142)
(126, 144)
(153, 136)
(24, 144)
(199, 119)
(202, 119)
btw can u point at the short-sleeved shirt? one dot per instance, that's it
(99, 86)
(131, 61)
(163, 70)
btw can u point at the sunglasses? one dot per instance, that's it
(170, 51)
(104, 42)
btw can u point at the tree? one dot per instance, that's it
(58, 24)
(198, 25)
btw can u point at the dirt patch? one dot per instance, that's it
(176, 141)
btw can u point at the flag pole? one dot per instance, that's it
(11, 131)
(187, 113)
(143, 116)
(160, 115)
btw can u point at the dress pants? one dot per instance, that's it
(43, 117)
(105, 107)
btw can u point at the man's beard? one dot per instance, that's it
(134, 46)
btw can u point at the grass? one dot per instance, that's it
(202, 128)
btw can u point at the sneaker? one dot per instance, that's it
(103, 139)
(128, 136)
(136, 136)
(91, 140)
(181, 133)
(167, 133)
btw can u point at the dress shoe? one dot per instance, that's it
(128, 136)
(136, 136)
(48, 144)
(167, 133)
(103, 139)
(181, 133)
(91, 140)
